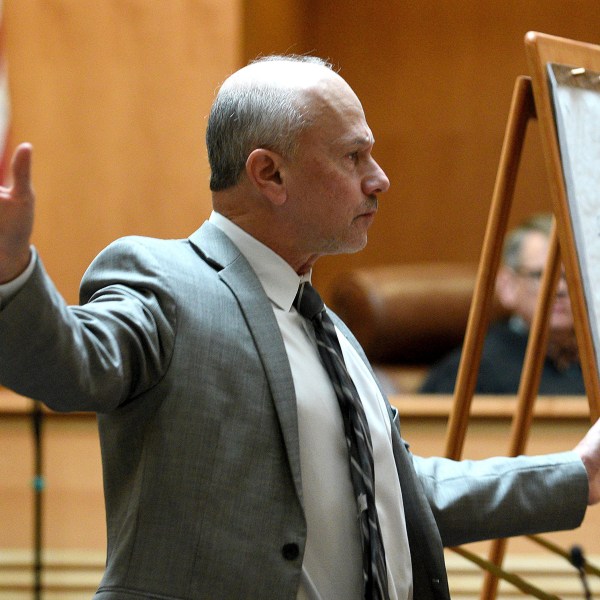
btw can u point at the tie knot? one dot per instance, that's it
(308, 302)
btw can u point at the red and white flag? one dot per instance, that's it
(4, 105)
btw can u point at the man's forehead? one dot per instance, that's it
(329, 103)
(534, 248)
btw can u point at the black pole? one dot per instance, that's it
(578, 561)
(38, 490)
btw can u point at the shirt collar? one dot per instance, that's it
(277, 277)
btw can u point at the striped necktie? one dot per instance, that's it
(358, 440)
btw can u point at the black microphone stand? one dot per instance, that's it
(37, 419)
(578, 561)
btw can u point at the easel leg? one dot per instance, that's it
(522, 109)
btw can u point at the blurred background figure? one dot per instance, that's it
(517, 286)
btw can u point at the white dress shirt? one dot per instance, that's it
(9, 289)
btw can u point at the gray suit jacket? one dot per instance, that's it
(176, 347)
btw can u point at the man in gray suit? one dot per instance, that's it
(225, 463)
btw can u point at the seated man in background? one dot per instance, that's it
(517, 286)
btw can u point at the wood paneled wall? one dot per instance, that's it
(114, 97)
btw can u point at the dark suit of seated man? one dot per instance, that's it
(524, 257)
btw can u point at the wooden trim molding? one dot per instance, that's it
(409, 405)
(75, 574)
(486, 407)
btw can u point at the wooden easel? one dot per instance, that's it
(531, 99)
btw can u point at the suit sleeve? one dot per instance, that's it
(503, 497)
(98, 355)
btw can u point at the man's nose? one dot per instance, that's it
(377, 181)
(561, 286)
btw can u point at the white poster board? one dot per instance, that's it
(576, 103)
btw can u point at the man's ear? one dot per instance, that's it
(506, 287)
(263, 172)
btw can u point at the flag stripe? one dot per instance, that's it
(4, 104)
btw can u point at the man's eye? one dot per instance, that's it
(353, 156)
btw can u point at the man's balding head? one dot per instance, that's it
(263, 105)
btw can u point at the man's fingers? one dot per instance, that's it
(21, 170)
(589, 451)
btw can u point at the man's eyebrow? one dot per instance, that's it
(363, 140)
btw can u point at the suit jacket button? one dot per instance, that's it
(290, 551)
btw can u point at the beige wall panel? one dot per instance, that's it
(73, 501)
(114, 97)
(275, 27)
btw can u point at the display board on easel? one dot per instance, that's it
(576, 101)
(565, 78)
(563, 95)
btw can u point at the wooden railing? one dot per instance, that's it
(74, 538)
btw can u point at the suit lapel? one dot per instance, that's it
(220, 253)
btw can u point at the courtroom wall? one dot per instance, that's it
(114, 97)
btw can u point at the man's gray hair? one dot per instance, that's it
(251, 115)
(542, 223)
